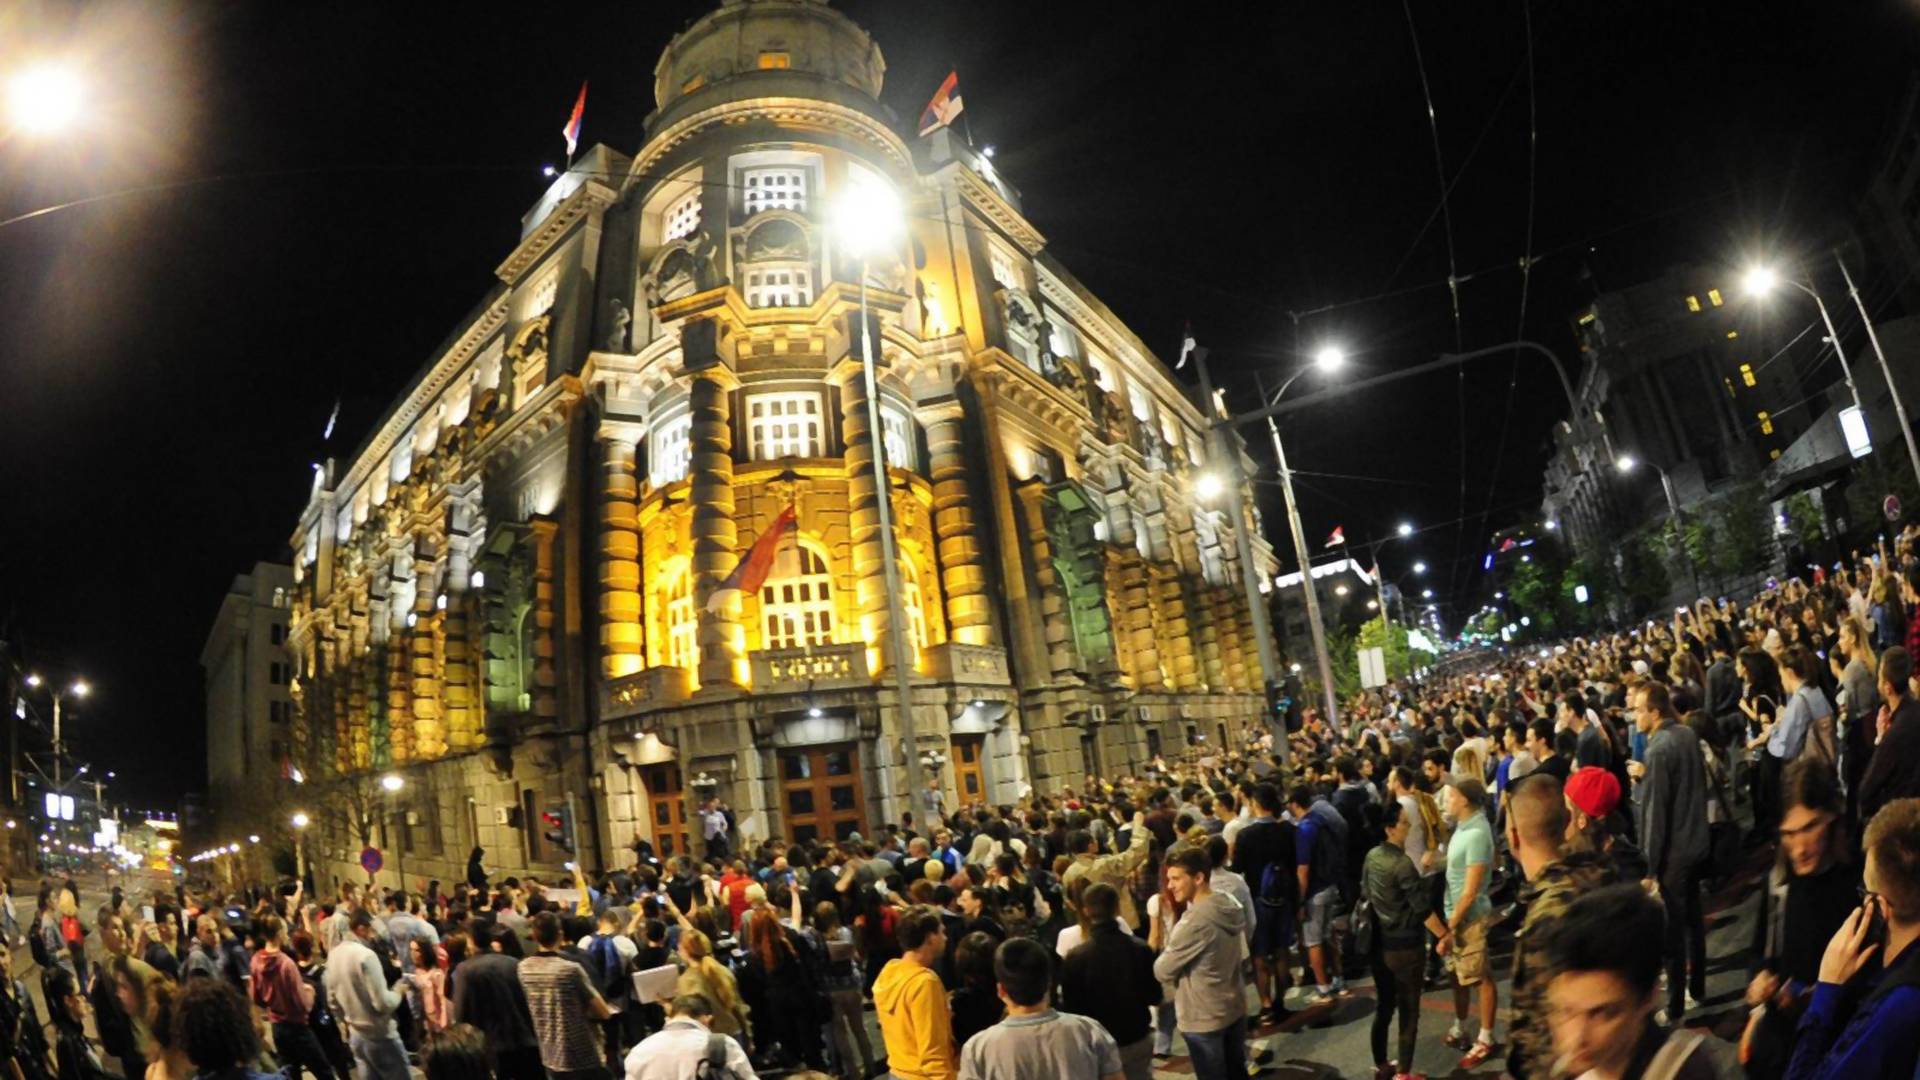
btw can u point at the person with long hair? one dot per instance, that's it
(431, 981)
(852, 1048)
(22, 1040)
(780, 988)
(1854, 669)
(710, 979)
(1810, 891)
(1760, 702)
(74, 1058)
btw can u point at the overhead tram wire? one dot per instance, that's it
(1526, 269)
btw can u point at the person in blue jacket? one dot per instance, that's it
(1872, 959)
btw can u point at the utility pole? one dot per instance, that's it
(1886, 372)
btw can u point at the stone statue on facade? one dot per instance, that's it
(622, 320)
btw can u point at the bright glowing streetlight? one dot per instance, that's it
(1760, 280)
(81, 689)
(392, 782)
(1329, 358)
(34, 680)
(1625, 463)
(43, 99)
(1419, 567)
(1426, 594)
(301, 820)
(1208, 487)
(1406, 528)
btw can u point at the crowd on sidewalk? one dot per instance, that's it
(1576, 798)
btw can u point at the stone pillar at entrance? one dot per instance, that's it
(620, 634)
(710, 463)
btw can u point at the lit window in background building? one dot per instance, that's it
(772, 60)
(1713, 297)
(783, 425)
(785, 286)
(683, 622)
(1746, 374)
(797, 610)
(1766, 423)
(781, 187)
(1731, 334)
(1693, 303)
(1773, 455)
(671, 450)
(897, 428)
(910, 606)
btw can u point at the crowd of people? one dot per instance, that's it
(1578, 799)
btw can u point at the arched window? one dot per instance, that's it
(910, 604)
(683, 622)
(797, 610)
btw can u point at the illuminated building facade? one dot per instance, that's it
(507, 595)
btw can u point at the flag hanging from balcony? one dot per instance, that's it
(944, 106)
(1339, 536)
(572, 130)
(751, 572)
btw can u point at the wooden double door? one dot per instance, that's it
(667, 802)
(821, 796)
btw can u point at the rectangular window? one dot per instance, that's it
(1746, 374)
(681, 218)
(775, 287)
(671, 450)
(772, 60)
(1001, 265)
(899, 442)
(782, 187)
(683, 624)
(277, 674)
(1713, 297)
(1766, 424)
(1693, 303)
(693, 84)
(784, 425)
(1731, 334)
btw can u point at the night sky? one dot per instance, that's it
(331, 190)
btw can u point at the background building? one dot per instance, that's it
(249, 674)
(508, 597)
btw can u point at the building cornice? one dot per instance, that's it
(1122, 344)
(590, 197)
(982, 197)
(795, 114)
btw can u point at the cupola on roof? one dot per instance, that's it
(750, 48)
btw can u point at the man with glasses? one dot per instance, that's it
(1672, 796)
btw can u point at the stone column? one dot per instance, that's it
(1128, 588)
(863, 520)
(1206, 638)
(463, 725)
(620, 632)
(353, 723)
(399, 699)
(722, 639)
(429, 730)
(544, 693)
(340, 676)
(1057, 622)
(1233, 660)
(1172, 629)
(963, 567)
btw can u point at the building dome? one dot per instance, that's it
(767, 48)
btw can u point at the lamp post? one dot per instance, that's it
(391, 784)
(1626, 463)
(300, 821)
(43, 99)
(1328, 359)
(1886, 372)
(78, 689)
(870, 222)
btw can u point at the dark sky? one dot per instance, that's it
(334, 189)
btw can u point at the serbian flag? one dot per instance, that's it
(944, 106)
(751, 572)
(572, 130)
(1339, 536)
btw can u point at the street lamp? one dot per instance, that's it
(869, 221)
(392, 783)
(1419, 567)
(1208, 487)
(300, 822)
(1626, 463)
(1762, 279)
(1406, 529)
(43, 99)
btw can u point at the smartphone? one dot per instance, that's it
(1876, 924)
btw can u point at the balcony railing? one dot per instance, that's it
(818, 667)
(984, 665)
(642, 690)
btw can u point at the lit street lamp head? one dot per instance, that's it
(34, 681)
(1329, 358)
(1208, 487)
(81, 689)
(301, 820)
(1760, 281)
(1406, 528)
(392, 782)
(1625, 463)
(868, 219)
(43, 99)
(1419, 568)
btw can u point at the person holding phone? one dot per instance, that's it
(1871, 959)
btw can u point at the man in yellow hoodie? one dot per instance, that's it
(912, 1004)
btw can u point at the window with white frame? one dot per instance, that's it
(1103, 375)
(797, 611)
(682, 217)
(774, 187)
(1003, 270)
(911, 606)
(780, 285)
(540, 298)
(670, 450)
(1142, 402)
(784, 425)
(1061, 341)
(897, 432)
(683, 622)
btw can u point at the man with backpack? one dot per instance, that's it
(685, 1049)
(610, 956)
(1263, 856)
(1320, 862)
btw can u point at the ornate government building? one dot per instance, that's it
(505, 596)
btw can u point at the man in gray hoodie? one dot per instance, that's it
(1202, 960)
(1671, 791)
(360, 998)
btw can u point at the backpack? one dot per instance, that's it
(1361, 924)
(713, 1066)
(610, 972)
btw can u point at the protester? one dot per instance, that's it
(1035, 1042)
(360, 997)
(1671, 792)
(1469, 915)
(564, 1005)
(488, 995)
(280, 991)
(1403, 914)
(1202, 961)
(911, 1004)
(1109, 978)
(214, 1029)
(687, 1048)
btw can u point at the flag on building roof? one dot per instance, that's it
(751, 572)
(1339, 536)
(944, 106)
(572, 130)
(1186, 347)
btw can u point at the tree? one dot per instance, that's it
(1643, 574)
(1745, 533)
(353, 806)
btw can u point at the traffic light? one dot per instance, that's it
(557, 827)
